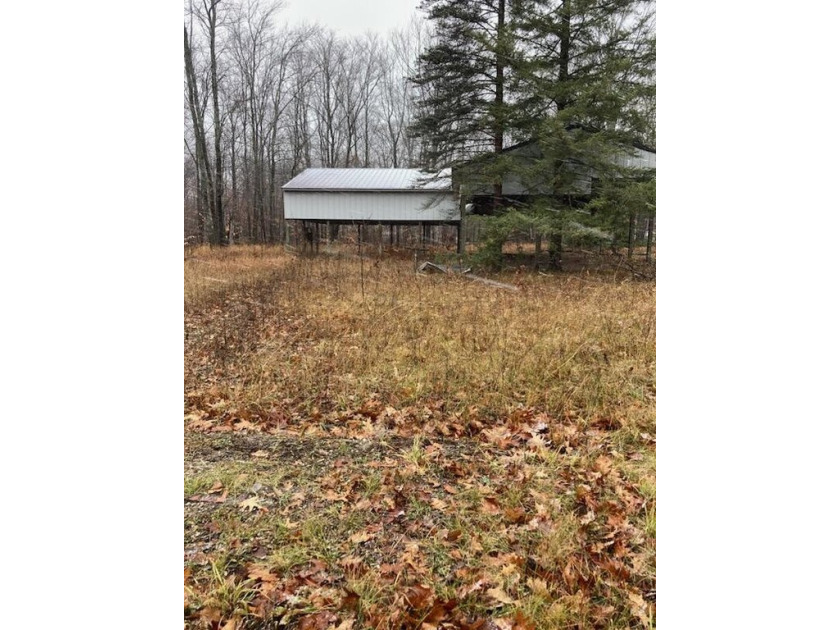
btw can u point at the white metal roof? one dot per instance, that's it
(391, 179)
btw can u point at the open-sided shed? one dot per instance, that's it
(371, 195)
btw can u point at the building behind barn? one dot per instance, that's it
(476, 184)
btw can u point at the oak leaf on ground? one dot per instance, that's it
(252, 503)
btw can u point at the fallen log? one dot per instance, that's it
(492, 283)
(430, 267)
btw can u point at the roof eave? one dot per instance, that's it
(367, 190)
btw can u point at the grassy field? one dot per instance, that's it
(367, 447)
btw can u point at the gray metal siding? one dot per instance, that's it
(367, 206)
(639, 158)
(512, 184)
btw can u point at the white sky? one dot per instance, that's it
(351, 17)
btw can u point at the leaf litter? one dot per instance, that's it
(371, 514)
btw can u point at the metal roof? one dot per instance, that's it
(378, 179)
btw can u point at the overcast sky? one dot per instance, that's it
(351, 16)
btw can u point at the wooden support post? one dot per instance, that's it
(308, 237)
(650, 227)
(460, 237)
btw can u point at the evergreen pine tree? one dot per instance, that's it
(576, 77)
(584, 82)
(463, 80)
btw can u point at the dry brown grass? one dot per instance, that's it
(332, 331)
(524, 422)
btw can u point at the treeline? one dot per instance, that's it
(264, 100)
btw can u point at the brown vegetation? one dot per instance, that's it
(367, 447)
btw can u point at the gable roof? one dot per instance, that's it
(369, 179)
(635, 144)
(633, 155)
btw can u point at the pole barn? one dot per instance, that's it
(383, 196)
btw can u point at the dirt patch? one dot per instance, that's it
(203, 449)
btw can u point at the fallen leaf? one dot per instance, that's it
(418, 597)
(466, 590)
(603, 465)
(350, 601)
(538, 442)
(315, 566)
(539, 587)
(438, 613)
(521, 622)
(261, 573)
(352, 564)
(490, 506)
(500, 596)
(244, 425)
(251, 504)
(640, 606)
(317, 621)
(211, 616)
(515, 515)
(391, 569)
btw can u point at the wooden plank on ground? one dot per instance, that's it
(492, 283)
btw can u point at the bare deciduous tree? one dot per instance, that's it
(264, 101)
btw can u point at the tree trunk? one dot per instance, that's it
(218, 236)
(565, 47)
(555, 250)
(234, 191)
(203, 173)
(498, 124)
